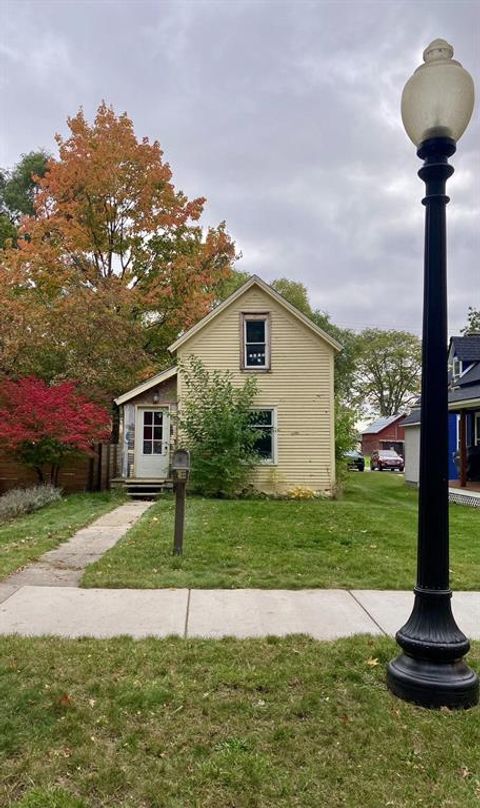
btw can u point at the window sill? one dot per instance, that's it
(255, 370)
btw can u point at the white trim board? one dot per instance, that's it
(147, 385)
(255, 281)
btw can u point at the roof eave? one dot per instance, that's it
(159, 378)
(254, 279)
(463, 404)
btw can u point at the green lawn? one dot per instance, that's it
(223, 724)
(25, 539)
(365, 540)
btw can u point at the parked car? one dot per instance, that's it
(355, 460)
(386, 460)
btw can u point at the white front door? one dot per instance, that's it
(152, 442)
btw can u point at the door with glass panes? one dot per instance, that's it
(152, 442)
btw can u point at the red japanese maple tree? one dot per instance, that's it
(41, 425)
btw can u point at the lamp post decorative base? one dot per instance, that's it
(431, 670)
(433, 684)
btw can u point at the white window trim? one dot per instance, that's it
(274, 460)
(250, 317)
(476, 417)
(456, 363)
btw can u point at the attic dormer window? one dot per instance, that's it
(255, 339)
(456, 368)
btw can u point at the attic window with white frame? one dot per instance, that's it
(456, 368)
(256, 342)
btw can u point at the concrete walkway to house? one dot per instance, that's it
(323, 614)
(64, 565)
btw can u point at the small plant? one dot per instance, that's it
(19, 501)
(301, 492)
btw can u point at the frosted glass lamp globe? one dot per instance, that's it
(438, 99)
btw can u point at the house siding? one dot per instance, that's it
(299, 385)
(412, 454)
(452, 445)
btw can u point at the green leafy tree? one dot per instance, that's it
(296, 294)
(473, 321)
(18, 189)
(8, 231)
(345, 431)
(215, 425)
(345, 360)
(345, 439)
(230, 284)
(388, 370)
(21, 184)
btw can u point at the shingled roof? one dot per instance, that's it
(467, 348)
(381, 423)
(467, 393)
(413, 419)
(471, 376)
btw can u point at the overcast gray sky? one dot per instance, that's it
(285, 115)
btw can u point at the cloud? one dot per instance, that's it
(285, 115)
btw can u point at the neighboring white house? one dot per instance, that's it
(411, 424)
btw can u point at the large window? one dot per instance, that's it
(264, 422)
(477, 429)
(255, 348)
(152, 432)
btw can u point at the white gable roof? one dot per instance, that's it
(256, 281)
(147, 385)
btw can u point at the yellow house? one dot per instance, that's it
(254, 331)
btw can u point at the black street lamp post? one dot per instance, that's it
(437, 104)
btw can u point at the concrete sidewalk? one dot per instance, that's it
(322, 613)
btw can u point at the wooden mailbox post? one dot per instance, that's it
(180, 474)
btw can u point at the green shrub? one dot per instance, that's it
(19, 501)
(345, 440)
(215, 424)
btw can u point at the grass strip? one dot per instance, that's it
(210, 724)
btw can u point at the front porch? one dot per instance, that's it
(468, 494)
(146, 436)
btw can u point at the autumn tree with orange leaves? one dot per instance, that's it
(111, 268)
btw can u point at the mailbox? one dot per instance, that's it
(181, 465)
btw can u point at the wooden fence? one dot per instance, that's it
(78, 474)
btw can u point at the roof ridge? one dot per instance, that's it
(268, 290)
